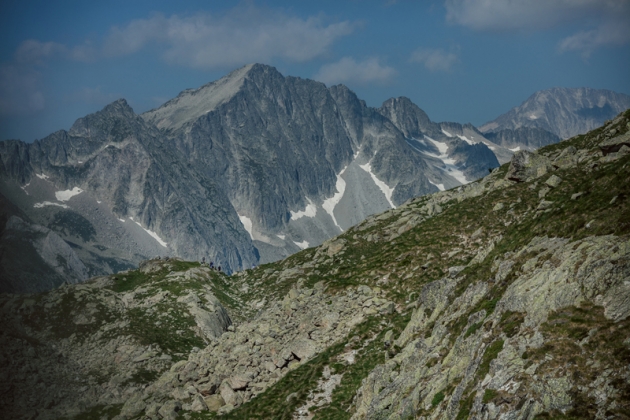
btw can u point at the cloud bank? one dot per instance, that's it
(349, 70)
(609, 19)
(243, 35)
(434, 59)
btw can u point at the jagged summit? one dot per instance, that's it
(408, 117)
(102, 122)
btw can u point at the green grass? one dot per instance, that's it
(473, 329)
(142, 325)
(437, 398)
(465, 405)
(489, 395)
(563, 331)
(491, 353)
(99, 411)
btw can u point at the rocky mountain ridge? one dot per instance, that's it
(247, 169)
(503, 298)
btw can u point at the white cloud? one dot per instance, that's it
(349, 70)
(435, 59)
(607, 21)
(20, 90)
(243, 35)
(33, 51)
(614, 32)
(502, 15)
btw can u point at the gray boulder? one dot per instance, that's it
(526, 166)
(615, 144)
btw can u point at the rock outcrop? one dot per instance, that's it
(526, 166)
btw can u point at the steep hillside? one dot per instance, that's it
(565, 112)
(504, 298)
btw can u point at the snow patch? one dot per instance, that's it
(447, 133)
(41, 176)
(309, 211)
(448, 162)
(153, 234)
(330, 203)
(48, 203)
(249, 227)
(247, 224)
(467, 140)
(440, 186)
(68, 194)
(516, 149)
(380, 184)
(281, 237)
(442, 147)
(122, 220)
(98, 202)
(532, 117)
(302, 245)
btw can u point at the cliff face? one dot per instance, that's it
(504, 298)
(117, 193)
(301, 162)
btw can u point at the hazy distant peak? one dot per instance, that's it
(562, 111)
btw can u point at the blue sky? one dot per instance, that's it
(459, 60)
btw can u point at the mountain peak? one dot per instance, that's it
(191, 104)
(117, 110)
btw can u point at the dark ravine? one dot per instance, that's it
(507, 297)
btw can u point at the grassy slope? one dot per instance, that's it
(366, 262)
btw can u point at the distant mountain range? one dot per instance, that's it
(247, 169)
(565, 112)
